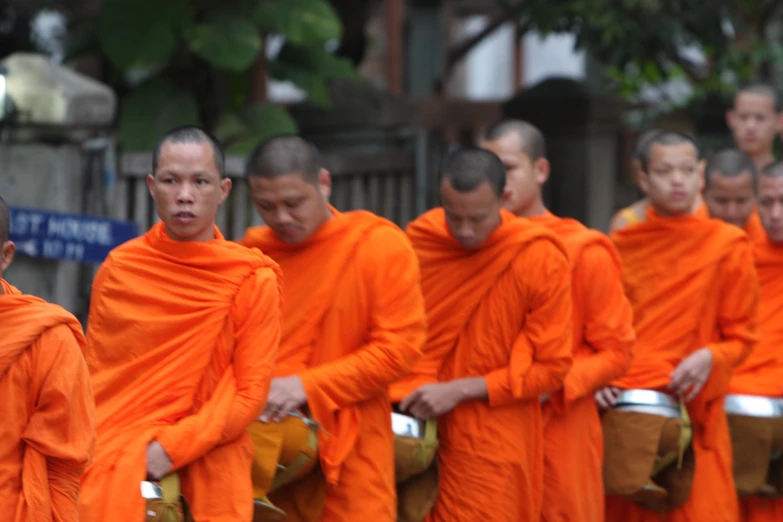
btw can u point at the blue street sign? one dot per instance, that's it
(73, 237)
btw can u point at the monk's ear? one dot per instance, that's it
(779, 122)
(644, 183)
(541, 168)
(325, 183)
(7, 255)
(151, 184)
(730, 118)
(225, 189)
(702, 169)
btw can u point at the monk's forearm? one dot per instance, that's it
(365, 373)
(594, 371)
(539, 378)
(726, 356)
(471, 389)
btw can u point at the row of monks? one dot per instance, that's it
(533, 369)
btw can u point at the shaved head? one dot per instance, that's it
(531, 141)
(729, 163)
(191, 134)
(665, 138)
(643, 144)
(761, 89)
(773, 170)
(285, 154)
(5, 222)
(467, 168)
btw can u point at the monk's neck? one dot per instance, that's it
(537, 208)
(763, 159)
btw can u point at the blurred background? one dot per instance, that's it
(382, 87)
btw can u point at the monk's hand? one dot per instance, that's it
(431, 400)
(691, 374)
(286, 394)
(158, 462)
(607, 396)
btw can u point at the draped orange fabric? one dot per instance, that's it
(47, 433)
(692, 284)
(354, 323)
(503, 312)
(762, 372)
(181, 341)
(602, 343)
(754, 228)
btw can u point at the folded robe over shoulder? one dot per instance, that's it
(47, 433)
(762, 372)
(503, 312)
(354, 323)
(181, 341)
(603, 341)
(692, 284)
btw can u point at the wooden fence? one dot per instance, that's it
(385, 182)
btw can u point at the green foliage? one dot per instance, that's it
(192, 61)
(713, 46)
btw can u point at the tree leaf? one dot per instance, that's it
(151, 110)
(315, 59)
(230, 127)
(140, 33)
(81, 40)
(312, 83)
(226, 40)
(261, 121)
(302, 22)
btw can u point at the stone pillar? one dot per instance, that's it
(582, 131)
(42, 164)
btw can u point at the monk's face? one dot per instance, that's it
(754, 123)
(6, 255)
(770, 206)
(471, 216)
(188, 190)
(673, 178)
(291, 205)
(524, 177)
(730, 199)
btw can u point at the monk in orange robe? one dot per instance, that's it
(693, 290)
(48, 410)
(755, 119)
(602, 328)
(181, 341)
(636, 212)
(762, 372)
(729, 191)
(354, 322)
(498, 296)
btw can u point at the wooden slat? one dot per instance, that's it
(141, 205)
(358, 198)
(239, 219)
(405, 199)
(374, 193)
(389, 197)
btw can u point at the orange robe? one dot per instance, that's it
(692, 284)
(754, 228)
(181, 341)
(603, 340)
(503, 312)
(354, 323)
(762, 372)
(47, 433)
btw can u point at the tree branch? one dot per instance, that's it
(460, 50)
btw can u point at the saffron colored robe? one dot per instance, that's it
(754, 228)
(47, 432)
(181, 341)
(603, 338)
(692, 284)
(354, 323)
(762, 372)
(502, 312)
